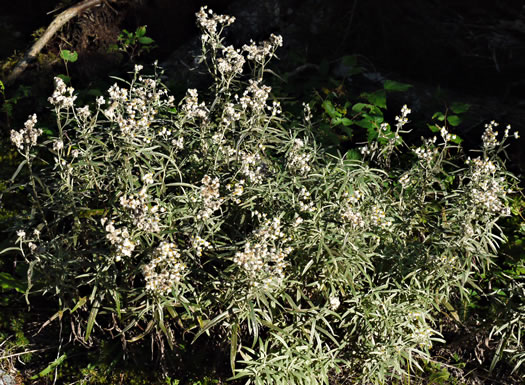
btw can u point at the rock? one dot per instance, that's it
(6, 379)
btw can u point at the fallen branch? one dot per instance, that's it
(55, 26)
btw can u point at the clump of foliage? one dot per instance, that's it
(219, 219)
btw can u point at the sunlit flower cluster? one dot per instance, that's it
(354, 197)
(298, 159)
(422, 336)
(490, 136)
(487, 190)
(164, 270)
(230, 114)
(261, 53)
(200, 244)
(231, 63)
(378, 217)
(426, 152)
(119, 237)
(402, 120)
(210, 196)
(191, 106)
(262, 259)
(305, 201)
(352, 216)
(255, 96)
(334, 303)
(62, 96)
(144, 216)
(209, 21)
(405, 180)
(237, 190)
(252, 167)
(446, 135)
(27, 136)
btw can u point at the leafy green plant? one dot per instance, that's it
(134, 44)
(220, 219)
(68, 57)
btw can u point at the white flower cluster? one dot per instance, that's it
(210, 196)
(349, 213)
(402, 120)
(449, 260)
(83, 113)
(422, 336)
(120, 238)
(144, 216)
(487, 191)
(28, 135)
(446, 135)
(306, 205)
(427, 151)
(209, 21)
(231, 63)
(200, 244)
(261, 53)
(134, 110)
(507, 131)
(164, 270)
(192, 108)
(353, 217)
(262, 260)
(307, 111)
(255, 96)
(334, 303)
(58, 145)
(489, 137)
(62, 96)
(378, 218)
(21, 234)
(230, 114)
(405, 180)
(238, 190)
(252, 167)
(298, 159)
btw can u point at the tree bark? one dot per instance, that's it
(53, 28)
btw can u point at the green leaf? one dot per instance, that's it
(459, 108)
(141, 31)
(377, 98)
(330, 109)
(365, 123)
(68, 55)
(372, 133)
(433, 127)
(453, 120)
(353, 155)
(91, 319)
(391, 85)
(50, 367)
(347, 122)
(145, 40)
(349, 60)
(7, 281)
(439, 116)
(233, 346)
(358, 107)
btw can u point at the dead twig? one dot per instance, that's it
(53, 28)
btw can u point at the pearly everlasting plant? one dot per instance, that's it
(216, 216)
